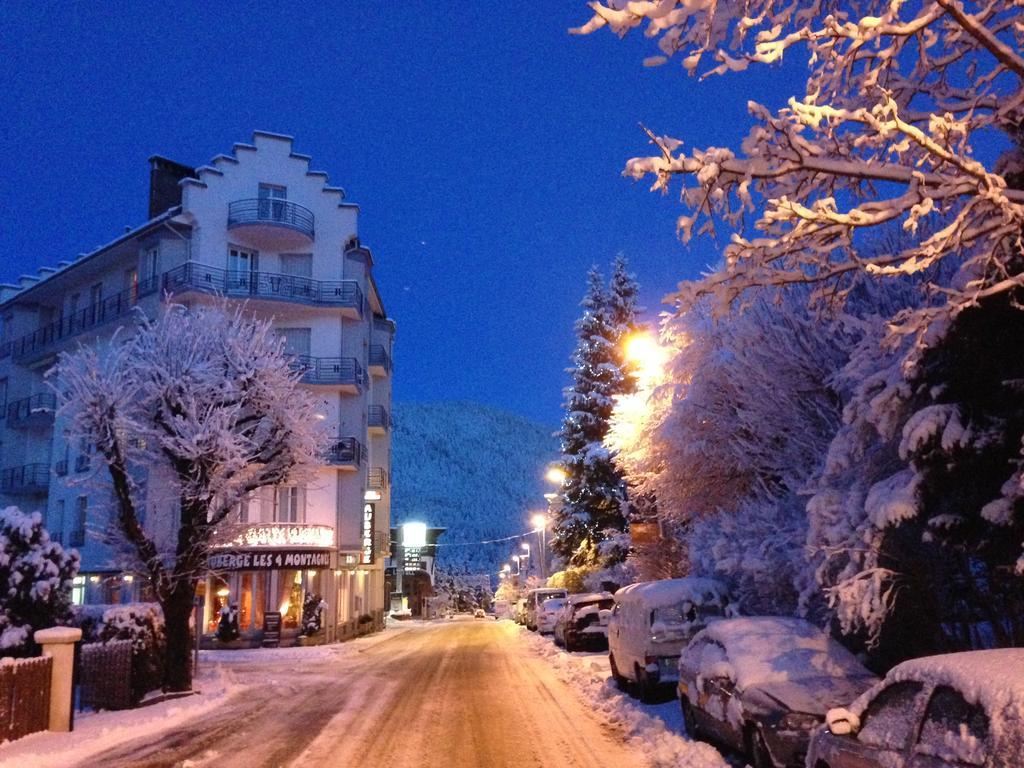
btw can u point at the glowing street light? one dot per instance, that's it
(645, 355)
(526, 545)
(555, 475)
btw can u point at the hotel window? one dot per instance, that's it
(271, 205)
(77, 538)
(297, 264)
(95, 300)
(290, 506)
(151, 263)
(297, 341)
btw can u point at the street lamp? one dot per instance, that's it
(555, 475)
(515, 559)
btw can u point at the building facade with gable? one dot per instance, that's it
(257, 225)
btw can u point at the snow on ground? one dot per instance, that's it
(653, 730)
(222, 674)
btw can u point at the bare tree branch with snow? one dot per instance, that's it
(898, 96)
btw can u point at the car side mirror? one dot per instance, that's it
(842, 722)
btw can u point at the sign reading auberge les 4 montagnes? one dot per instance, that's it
(240, 560)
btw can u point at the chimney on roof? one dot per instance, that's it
(164, 176)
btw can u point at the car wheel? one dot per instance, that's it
(645, 689)
(689, 721)
(620, 681)
(757, 750)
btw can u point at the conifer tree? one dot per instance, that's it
(593, 493)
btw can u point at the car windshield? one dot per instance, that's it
(683, 612)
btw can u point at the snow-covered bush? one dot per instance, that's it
(143, 625)
(35, 581)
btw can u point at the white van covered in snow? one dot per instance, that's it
(651, 623)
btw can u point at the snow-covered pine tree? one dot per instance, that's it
(622, 306)
(35, 581)
(593, 492)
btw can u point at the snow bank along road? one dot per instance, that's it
(462, 693)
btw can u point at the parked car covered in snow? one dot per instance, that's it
(951, 711)
(583, 622)
(651, 622)
(536, 618)
(762, 684)
(548, 613)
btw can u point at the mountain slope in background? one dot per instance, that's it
(471, 469)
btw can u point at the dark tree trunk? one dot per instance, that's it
(177, 609)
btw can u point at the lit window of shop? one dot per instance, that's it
(290, 598)
(78, 590)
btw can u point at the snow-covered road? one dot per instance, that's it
(461, 693)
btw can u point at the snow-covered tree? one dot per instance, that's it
(207, 396)
(593, 492)
(899, 100)
(728, 435)
(35, 581)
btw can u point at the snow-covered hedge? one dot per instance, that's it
(140, 623)
(35, 581)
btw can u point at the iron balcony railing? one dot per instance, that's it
(279, 213)
(345, 451)
(379, 358)
(264, 285)
(29, 478)
(377, 479)
(329, 370)
(74, 323)
(37, 410)
(377, 416)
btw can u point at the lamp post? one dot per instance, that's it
(540, 524)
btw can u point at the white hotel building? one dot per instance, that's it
(256, 225)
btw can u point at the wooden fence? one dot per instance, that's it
(105, 675)
(24, 696)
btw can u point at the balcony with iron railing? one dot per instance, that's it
(271, 222)
(377, 419)
(379, 360)
(345, 372)
(44, 340)
(35, 411)
(345, 452)
(27, 479)
(377, 479)
(270, 286)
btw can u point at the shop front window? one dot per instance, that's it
(220, 596)
(290, 598)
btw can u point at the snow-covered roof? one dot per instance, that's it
(995, 678)
(48, 273)
(666, 592)
(589, 597)
(771, 649)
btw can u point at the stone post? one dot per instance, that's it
(59, 643)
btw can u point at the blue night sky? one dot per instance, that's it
(484, 146)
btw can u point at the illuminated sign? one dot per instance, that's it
(268, 560)
(276, 535)
(367, 542)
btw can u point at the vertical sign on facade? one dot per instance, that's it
(368, 515)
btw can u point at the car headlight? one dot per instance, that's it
(799, 721)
